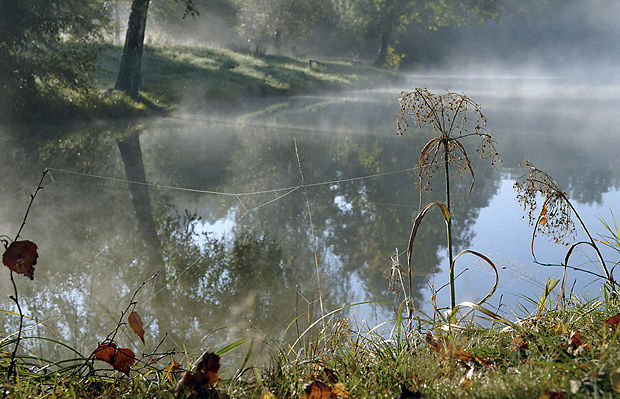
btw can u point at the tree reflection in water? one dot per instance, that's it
(257, 274)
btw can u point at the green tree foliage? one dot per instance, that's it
(385, 20)
(168, 21)
(276, 21)
(42, 47)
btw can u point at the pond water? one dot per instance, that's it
(241, 210)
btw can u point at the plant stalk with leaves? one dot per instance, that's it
(555, 216)
(449, 115)
(20, 257)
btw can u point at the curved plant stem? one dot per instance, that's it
(610, 277)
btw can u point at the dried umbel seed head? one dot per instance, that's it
(455, 117)
(554, 216)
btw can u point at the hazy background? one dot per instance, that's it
(550, 35)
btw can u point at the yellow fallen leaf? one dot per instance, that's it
(338, 390)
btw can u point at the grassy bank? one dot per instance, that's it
(195, 78)
(563, 349)
(198, 77)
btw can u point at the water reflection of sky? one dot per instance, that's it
(504, 235)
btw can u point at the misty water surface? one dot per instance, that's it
(233, 220)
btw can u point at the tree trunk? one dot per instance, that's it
(380, 61)
(277, 42)
(128, 79)
(131, 153)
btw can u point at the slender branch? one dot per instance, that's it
(15, 298)
(32, 197)
(12, 373)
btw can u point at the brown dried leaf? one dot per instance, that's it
(135, 322)
(613, 321)
(518, 344)
(435, 344)
(20, 257)
(614, 380)
(316, 389)
(576, 344)
(123, 359)
(172, 371)
(460, 354)
(330, 375)
(203, 379)
(105, 351)
(338, 391)
(120, 359)
(552, 395)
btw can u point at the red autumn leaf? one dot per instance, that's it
(120, 359)
(123, 359)
(20, 257)
(612, 322)
(105, 351)
(135, 322)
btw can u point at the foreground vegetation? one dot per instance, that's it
(565, 348)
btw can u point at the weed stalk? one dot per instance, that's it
(12, 373)
(448, 115)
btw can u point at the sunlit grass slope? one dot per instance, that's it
(181, 76)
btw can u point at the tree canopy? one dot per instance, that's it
(38, 50)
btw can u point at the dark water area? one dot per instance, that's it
(240, 236)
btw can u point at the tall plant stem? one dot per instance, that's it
(449, 224)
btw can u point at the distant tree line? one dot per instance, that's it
(44, 44)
